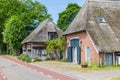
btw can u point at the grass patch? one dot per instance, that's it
(64, 60)
(104, 68)
(117, 78)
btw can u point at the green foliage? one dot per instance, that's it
(24, 57)
(25, 12)
(55, 44)
(36, 59)
(94, 64)
(14, 32)
(64, 60)
(67, 16)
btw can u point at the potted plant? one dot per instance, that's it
(84, 64)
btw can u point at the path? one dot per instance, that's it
(44, 72)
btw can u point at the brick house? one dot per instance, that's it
(34, 44)
(94, 34)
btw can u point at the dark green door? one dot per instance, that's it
(78, 55)
(74, 54)
(69, 54)
(109, 58)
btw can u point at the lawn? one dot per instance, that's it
(117, 78)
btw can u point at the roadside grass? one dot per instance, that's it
(105, 68)
(116, 78)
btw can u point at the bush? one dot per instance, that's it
(94, 64)
(36, 59)
(64, 60)
(24, 57)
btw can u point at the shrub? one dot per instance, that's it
(24, 57)
(64, 60)
(28, 59)
(94, 64)
(36, 59)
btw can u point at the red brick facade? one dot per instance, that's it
(85, 41)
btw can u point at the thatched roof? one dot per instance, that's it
(106, 36)
(40, 34)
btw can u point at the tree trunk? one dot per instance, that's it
(15, 52)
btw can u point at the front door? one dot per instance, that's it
(74, 52)
(118, 60)
(109, 58)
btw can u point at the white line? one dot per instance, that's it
(41, 72)
(49, 76)
(34, 70)
(4, 77)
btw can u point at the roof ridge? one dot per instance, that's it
(35, 31)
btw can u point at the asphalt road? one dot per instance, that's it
(15, 71)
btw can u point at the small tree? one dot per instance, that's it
(56, 46)
(13, 33)
(67, 16)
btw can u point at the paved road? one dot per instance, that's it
(14, 71)
(18, 70)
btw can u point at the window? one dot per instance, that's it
(88, 54)
(52, 35)
(101, 19)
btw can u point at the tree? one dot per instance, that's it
(56, 46)
(67, 16)
(14, 33)
(26, 10)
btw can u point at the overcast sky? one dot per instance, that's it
(56, 6)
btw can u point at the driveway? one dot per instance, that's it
(14, 69)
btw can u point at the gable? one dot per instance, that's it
(104, 35)
(40, 34)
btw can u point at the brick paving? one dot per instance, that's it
(55, 75)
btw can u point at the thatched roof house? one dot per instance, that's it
(40, 34)
(101, 21)
(34, 44)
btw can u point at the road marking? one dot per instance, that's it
(34, 70)
(49, 76)
(41, 73)
(4, 77)
(1, 73)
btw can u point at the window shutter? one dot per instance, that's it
(78, 55)
(69, 54)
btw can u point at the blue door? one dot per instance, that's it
(109, 58)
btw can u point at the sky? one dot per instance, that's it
(56, 6)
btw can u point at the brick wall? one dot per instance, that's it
(85, 41)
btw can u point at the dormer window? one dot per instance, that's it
(52, 35)
(101, 19)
